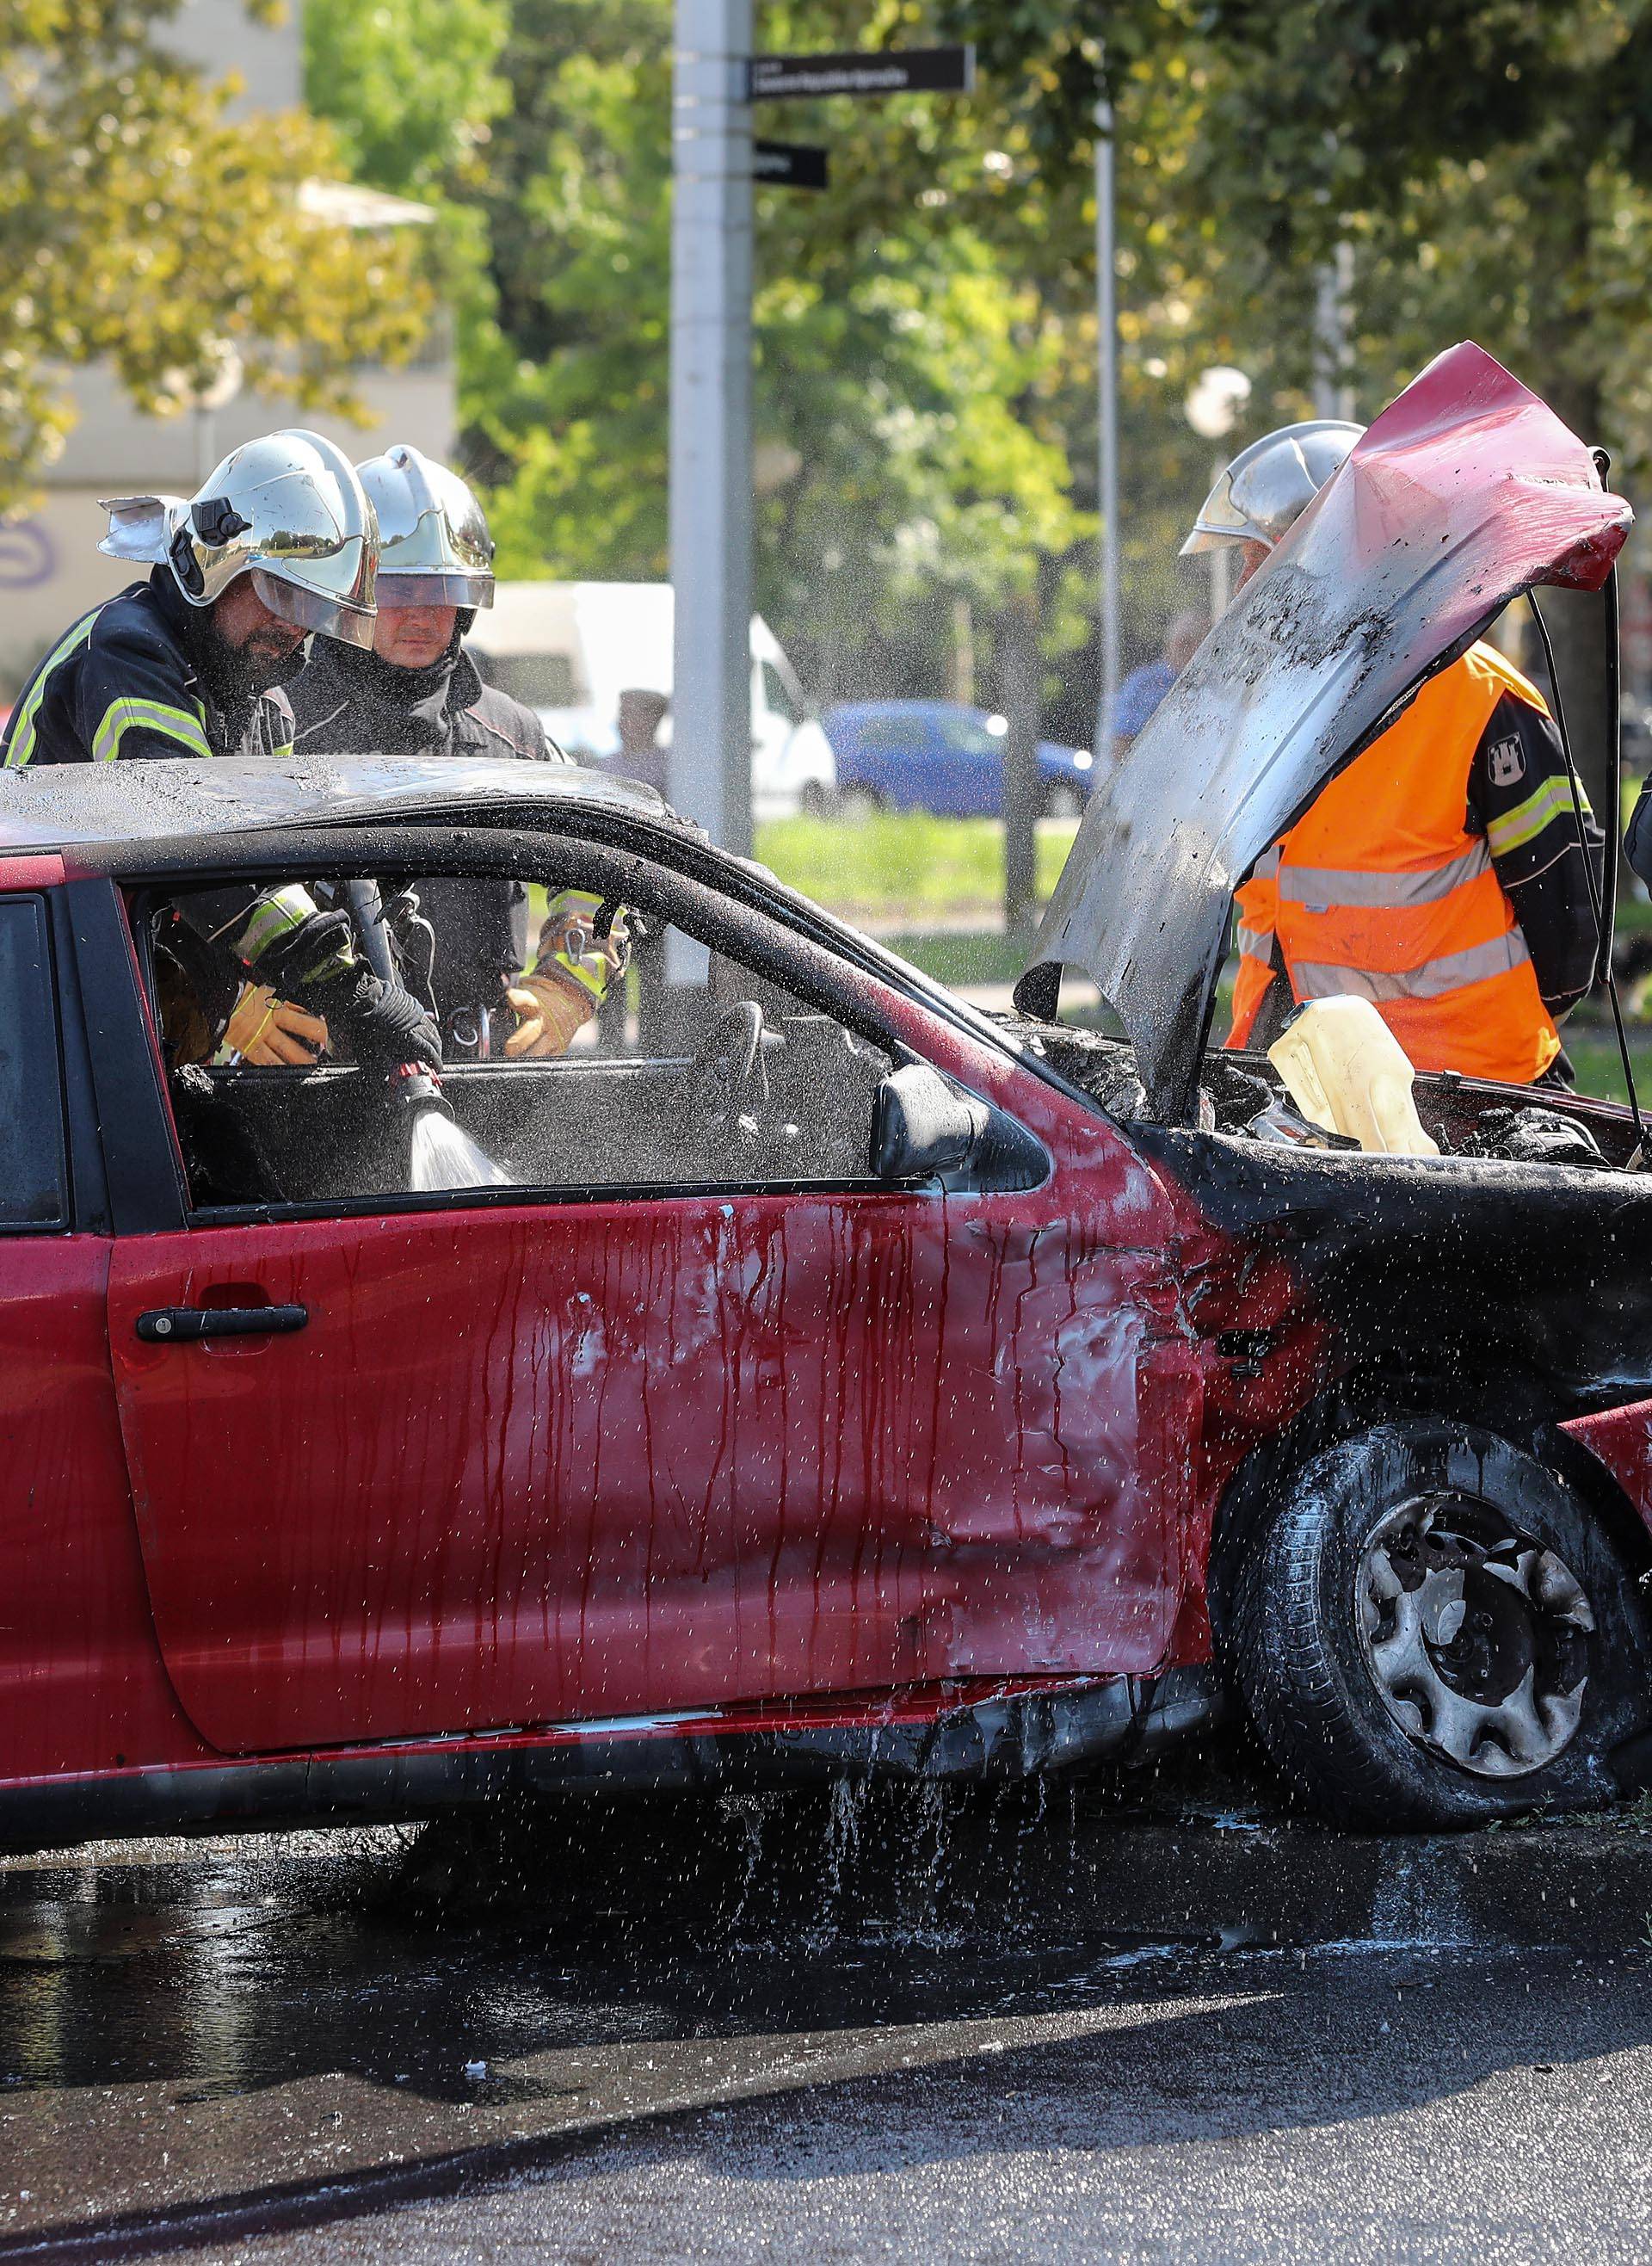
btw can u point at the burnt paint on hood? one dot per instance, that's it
(1465, 492)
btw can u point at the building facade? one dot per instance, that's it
(51, 566)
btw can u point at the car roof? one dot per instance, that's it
(111, 806)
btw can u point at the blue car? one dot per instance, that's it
(940, 757)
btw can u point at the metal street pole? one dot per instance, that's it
(709, 766)
(1108, 404)
(1333, 283)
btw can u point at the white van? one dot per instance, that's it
(569, 649)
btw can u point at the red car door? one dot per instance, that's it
(506, 1461)
(593, 1459)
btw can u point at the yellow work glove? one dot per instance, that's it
(262, 1028)
(574, 968)
(549, 1010)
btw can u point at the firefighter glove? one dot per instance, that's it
(383, 1026)
(549, 1010)
(296, 951)
(263, 1029)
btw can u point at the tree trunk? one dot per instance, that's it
(1019, 676)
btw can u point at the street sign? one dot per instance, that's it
(789, 164)
(911, 70)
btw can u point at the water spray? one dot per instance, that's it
(440, 1154)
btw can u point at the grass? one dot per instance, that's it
(905, 870)
(1592, 1049)
(961, 957)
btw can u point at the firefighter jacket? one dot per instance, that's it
(135, 678)
(346, 702)
(138, 678)
(1438, 876)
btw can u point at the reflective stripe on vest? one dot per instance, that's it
(1320, 888)
(1314, 980)
(21, 732)
(123, 716)
(1380, 890)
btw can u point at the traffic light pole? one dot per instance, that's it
(709, 767)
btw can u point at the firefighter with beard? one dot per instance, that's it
(280, 543)
(415, 691)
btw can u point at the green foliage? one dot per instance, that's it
(909, 441)
(139, 225)
(412, 89)
(566, 395)
(411, 86)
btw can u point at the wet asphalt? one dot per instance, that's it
(809, 2030)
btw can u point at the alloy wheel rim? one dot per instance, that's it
(1476, 1637)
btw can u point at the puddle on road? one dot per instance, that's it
(185, 2020)
(228, 1966)
(238, 2026)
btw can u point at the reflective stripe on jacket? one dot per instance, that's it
(130, 679)
(1382, 890)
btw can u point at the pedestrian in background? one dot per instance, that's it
(1144, 688)
(641, 756)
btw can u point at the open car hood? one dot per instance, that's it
(1467, 490)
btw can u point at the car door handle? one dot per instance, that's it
(181, 1325)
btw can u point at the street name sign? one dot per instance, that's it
(789, 164)
(910, 70)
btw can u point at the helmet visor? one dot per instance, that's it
(1220, 520)
(318, 611)
(433, 587)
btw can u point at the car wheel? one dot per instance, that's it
(859, 804)
(1062, 801)
(1434, 1631)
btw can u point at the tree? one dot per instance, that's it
(1486, 163)
(906, 368)
(410, 86)
(139, 225)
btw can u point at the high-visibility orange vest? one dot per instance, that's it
(1382, 891)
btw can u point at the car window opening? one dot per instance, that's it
(586, 1045)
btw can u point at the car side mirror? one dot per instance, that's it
(921, 1127)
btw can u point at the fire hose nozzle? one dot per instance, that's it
(417, 1086)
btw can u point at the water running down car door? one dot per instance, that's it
(596, 1455)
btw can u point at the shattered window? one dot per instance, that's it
(585, 1045)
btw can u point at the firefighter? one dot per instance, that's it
(1440, 874)
(416, 690)
(280, 542)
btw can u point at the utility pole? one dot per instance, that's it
(709, 765)
(1332, 285)
(1108, 407)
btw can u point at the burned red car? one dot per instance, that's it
(828, 1378)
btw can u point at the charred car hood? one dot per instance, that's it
(1467, 490)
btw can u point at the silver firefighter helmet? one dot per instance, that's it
(435, 549)
(290, 510)
(1269, 485)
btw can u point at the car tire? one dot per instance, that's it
(857, 804)
(1434, 1631)
(1062, 801)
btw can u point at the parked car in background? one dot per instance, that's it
(942, 757)
(569, 650)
